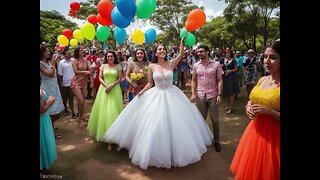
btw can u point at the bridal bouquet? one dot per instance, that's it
(136, 76)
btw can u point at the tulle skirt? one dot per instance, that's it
(106, 108)
(161, 128)
(258, 153)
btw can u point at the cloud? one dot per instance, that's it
(212, 8)
(211, 14)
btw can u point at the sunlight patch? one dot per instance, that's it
(66, 147)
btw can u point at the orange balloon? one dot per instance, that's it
(198, 16)
(104, 22)
(190, 25)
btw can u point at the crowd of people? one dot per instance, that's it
(139, 103)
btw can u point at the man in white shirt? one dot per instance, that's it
(65, 72)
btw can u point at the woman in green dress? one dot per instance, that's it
(108, 103)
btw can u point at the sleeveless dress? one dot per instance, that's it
(230, 81)
(258, 153)
(143, 82)
(51, 87)
(107, 106)
(48, 152)
(80, 80)
(161, 128)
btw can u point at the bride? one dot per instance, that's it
(161, 127)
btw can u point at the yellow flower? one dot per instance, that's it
(136, 76)
(140, 75)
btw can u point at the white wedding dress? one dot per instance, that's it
(161, 128)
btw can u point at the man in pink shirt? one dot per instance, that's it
(206, 89)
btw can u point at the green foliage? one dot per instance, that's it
(250, 20)
(52, 23)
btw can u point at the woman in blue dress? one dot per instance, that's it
(50, 83)
(48, 152)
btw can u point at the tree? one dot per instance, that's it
(215, 34)
(52, 23)
(251, 19)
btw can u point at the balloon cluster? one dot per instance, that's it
(121, 14)
(196, 19)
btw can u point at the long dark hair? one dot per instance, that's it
(76, 53)
(154, 57)
(115, 61)
(275, 46)
(144, 55)
(43, 49)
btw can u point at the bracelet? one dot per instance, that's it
(219, 94)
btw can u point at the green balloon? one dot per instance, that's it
(190, 40)
(183, 31)
(102, 33)
(88, 31)
(144, 8)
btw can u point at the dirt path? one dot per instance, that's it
(81, 158)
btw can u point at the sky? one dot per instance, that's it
(213, 8)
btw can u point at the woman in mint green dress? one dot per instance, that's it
(48, 152)
(108, 103)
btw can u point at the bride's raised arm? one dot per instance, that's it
(174, 62)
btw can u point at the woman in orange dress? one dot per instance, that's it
(258, 153)
(139, 64)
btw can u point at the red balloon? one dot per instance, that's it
(67, 33)
(62, 47)
(104, 22)
(104, 8)
(75, 6)
(190, 25)
(92, 19)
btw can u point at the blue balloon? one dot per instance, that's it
(105, 46)
(150, 35)
(120, 35)
(118, 19)
(127, 8)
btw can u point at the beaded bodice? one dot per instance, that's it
(269, 97)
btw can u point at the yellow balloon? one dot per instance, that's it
(138, 36)
(88, 31)
(62, 39)
(80, 40)
(77, 34)
(73, 42)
